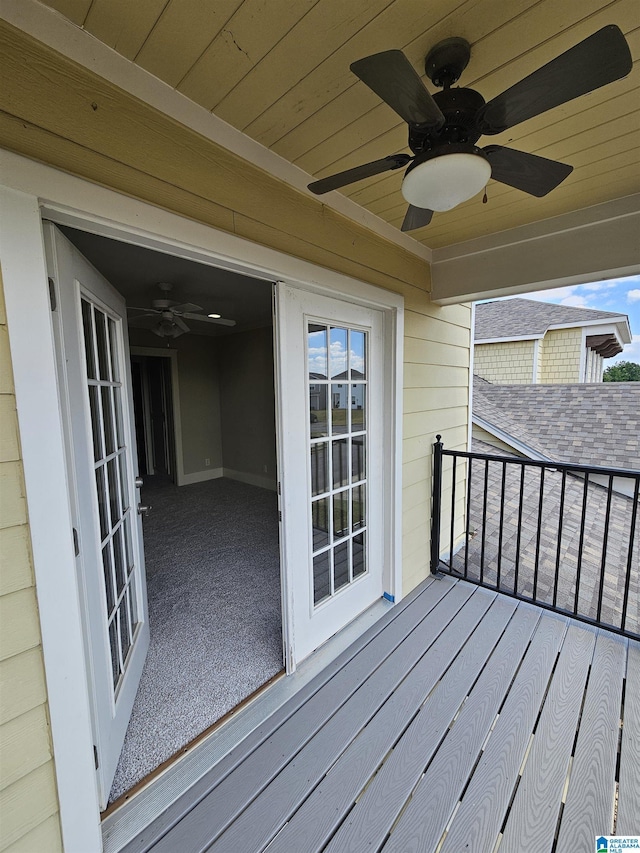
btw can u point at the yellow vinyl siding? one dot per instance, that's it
(482, 435)
(560, 356)
(508, 363)
(28, 798)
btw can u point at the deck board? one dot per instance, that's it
(534, 813)
(629, 794)
(588, 811)
(451, 726)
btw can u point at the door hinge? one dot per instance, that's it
(52, 294)
(279, 515)
(279, 488)
(95, 756)
(76, 542)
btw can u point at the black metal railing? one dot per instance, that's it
(562, 536)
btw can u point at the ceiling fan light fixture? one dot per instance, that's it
(446, 177)
(214, 316)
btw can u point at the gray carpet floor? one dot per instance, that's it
(213, 584)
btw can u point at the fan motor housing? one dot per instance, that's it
(460, 108)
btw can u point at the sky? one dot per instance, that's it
(621, 295)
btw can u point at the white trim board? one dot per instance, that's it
(56, 31)
(34, 189)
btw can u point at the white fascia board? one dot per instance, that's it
(509, 340)
(517, 445)
(592, 244)
(618, 326)
(51, 28)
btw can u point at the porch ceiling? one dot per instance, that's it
(279, 72)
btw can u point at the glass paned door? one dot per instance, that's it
(337, 379)
(95, 393)
(102, 346)
(330, 366)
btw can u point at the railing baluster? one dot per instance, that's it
(484, 517)
(560, 521)
(605, 542)
(504, 477)
(632, 536)
(538, 537)
(581, 542)
(519, 533)
(436, 501)
(453, 509)
(467, 522)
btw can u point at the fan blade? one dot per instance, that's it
(148, 312)
(359, 173)
(527, 172)
(600, 59)
(180, 323)
(219, 320)
(394, 79)
(416, 217)
(185, 308)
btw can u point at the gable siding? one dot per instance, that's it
(28, 798)
(560, 356)
(509, 363)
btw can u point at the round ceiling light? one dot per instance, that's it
(446, 177)
(214, 316)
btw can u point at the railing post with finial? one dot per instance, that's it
(436, 504)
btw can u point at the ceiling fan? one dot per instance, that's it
(447, 167)
(171, 315)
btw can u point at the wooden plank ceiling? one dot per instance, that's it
(278, 70)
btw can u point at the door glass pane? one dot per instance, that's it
(320, 522)
(87, 328)
(321, 577)
(358, 355)
(319, 468)
(113, 644)
(358, 407)
(337, 355)
(340, 462)
(113, 349)
(101, 493)
(358, 469)
(118, 556)
(101, 340)
(359, 555)
(114, 502)
(95, 422)
(117, 404)
(123, 620)
(358, 513)
(107, 416)
(340, 514)
(341, 565)
(340, 408)
(108, 577)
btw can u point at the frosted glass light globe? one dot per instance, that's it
(441, 183)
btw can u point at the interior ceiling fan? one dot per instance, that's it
(447, 167)
(171, 315)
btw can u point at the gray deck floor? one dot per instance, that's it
(462, 721)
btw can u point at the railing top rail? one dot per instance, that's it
(537, 463)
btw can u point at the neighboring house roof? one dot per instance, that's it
(596, 424)
(528, 318)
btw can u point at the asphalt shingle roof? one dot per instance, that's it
(507, 318)
(591, 424)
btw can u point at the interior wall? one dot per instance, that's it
(247, 405)
(199, 399)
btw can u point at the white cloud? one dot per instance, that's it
(576, 301)
(633, 295)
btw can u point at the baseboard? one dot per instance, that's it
(201, 476)
(250, 479)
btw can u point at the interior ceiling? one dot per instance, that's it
(279, 72)
(135, 273)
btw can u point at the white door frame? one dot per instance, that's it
(30, 191)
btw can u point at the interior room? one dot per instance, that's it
(204, 404)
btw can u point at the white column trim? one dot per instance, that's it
(33, 356)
